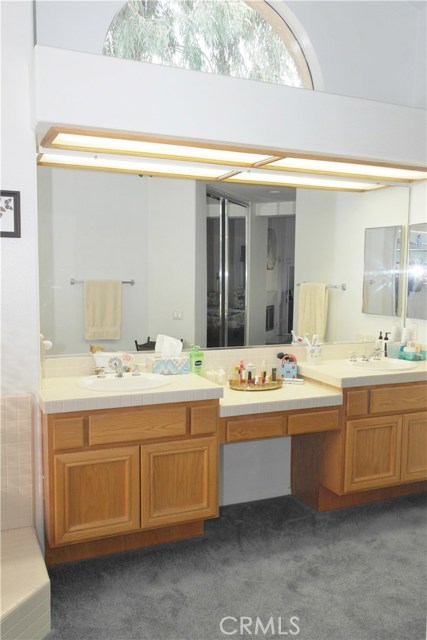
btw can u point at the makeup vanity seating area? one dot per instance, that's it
(142, 468)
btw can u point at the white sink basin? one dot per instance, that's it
(127, 383)
(387, 364)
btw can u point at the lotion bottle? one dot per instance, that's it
(196, 360)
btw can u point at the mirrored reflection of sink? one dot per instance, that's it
(386, 364)
(126, 383)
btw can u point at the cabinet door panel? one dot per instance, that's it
(96, 493)
(414, 447)
(373, 448)
(179, 482)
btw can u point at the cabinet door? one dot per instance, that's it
(179, 481)
(96, 493)
(414, 447)
(372, 457)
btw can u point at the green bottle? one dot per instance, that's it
(196, 360)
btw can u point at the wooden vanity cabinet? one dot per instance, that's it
(130, 470)
(380, 452)
(390, 446)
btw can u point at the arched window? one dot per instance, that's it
(239, 38)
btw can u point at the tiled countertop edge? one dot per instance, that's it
(226, 411)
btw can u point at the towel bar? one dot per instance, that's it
(344, 287)
(74, 281)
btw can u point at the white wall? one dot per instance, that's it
(263, 115)
(381, 44)
(334, 251)
(19, 296)
(19, 315)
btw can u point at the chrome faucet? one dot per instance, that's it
(119, 368)
(376, 354)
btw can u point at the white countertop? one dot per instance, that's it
(62, 394)
(322, 388)
(343, 374)
(291, 396)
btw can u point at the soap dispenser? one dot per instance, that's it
(386, 335)
(380, 342)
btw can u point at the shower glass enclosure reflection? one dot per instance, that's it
(227, 223)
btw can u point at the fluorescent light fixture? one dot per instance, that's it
(145, 167)
(270, 178)
(113, 144)
(373, 172)
(111, 151)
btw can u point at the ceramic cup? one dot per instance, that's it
(314, 353)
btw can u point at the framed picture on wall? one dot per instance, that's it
(10, 214)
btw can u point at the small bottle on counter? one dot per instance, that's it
(196, 360)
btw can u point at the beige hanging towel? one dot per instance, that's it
(102, 309)
(313, 309)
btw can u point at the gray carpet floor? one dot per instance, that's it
(352, 574)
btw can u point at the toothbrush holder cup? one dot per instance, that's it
(314, 353)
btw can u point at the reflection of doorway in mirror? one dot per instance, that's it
(226, 237)
(417, 272)
(280, 278)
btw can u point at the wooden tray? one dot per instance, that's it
(244, 386)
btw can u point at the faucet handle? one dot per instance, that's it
(100, 372)
(93, 348)
(353, 357)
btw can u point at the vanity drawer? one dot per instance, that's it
(204, 420)
(254, 428)
(67, 433)
(357, 403)
(401, 399)
(314, 421)
(128, 426)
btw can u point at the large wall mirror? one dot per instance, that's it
(382, 289)
(417, 272)
(96, 225)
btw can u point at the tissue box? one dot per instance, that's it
(168, 366)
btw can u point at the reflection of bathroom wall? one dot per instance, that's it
(93, 225)
(96, 225)
(337, 257)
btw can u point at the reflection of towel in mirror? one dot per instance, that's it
(313, 309)
(102, 309)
